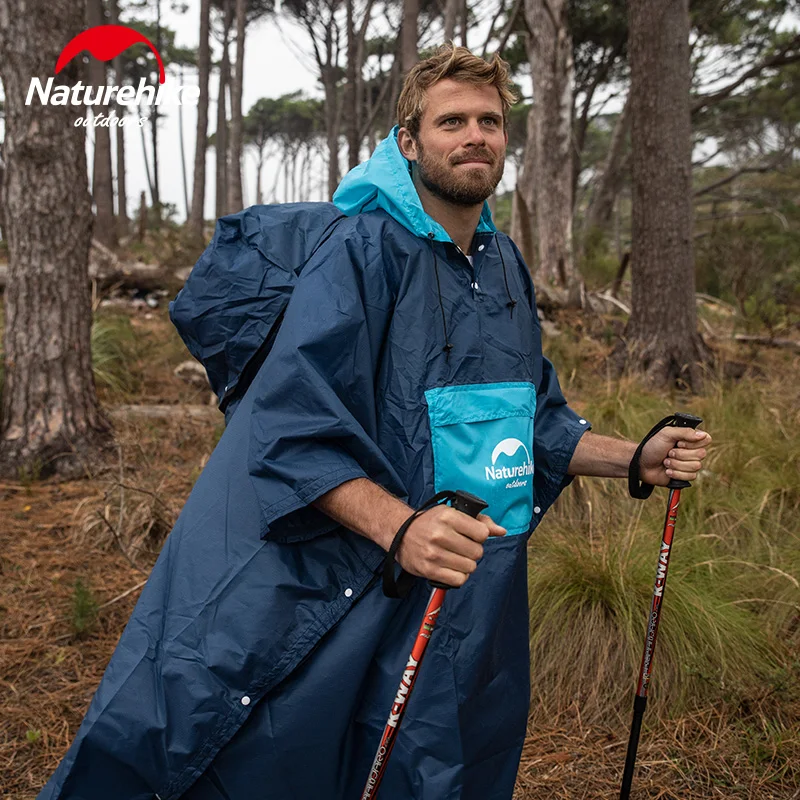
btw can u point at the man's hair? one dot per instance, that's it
(458, 64)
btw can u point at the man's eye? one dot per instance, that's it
(451, 121)
(490, 121)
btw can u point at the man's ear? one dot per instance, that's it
(407, 145)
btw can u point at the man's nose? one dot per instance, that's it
(474, 133)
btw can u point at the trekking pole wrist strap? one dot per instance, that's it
(637, 488)
(399, 586)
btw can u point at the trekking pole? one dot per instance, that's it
(642, 491)
(468, 504)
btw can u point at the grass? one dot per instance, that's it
(730, 634)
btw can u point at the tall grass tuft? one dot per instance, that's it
(114, 354)
(730, 628)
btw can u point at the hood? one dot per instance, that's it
(384, 181)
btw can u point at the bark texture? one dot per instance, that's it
(612, 177)
(123, 222)
(51, 421)
(550, 56)
(236, 200)
(522, 211)
(661, 338)
(409, 33)
(102, 181)
(222, 115)
(201, 134)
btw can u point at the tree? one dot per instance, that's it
(51, 420)
(235, 202)
(102, 182)
(201, 135)
(661, 338)
(409, 34)
(550, 55)
(123, 221)
(221, 145)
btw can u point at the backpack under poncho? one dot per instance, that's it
(232, 305)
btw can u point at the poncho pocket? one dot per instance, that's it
(482, 438)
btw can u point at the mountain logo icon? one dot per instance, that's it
(509, 447)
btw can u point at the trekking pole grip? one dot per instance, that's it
(637, 488)
(469, 504)
(683, 421)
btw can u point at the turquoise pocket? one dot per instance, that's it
(483, 443)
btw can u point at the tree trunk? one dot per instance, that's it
(222, 117)
(183, 154)
(146, 160)
(201, 134)
(154, 115)
(236, 201)
(464, 14)
(351, 91)
(611, 178)
(123, 222)
(409, 33)
(51, 420)
(102, 182)
(259, 169)
(661, 338)
(522, 211)
(550, 56)
(450, 17)
(331, 128)
(3, 234)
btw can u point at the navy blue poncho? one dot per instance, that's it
(262, 657)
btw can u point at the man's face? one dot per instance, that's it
(460, 149)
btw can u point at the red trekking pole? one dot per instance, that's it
(642, 491)
(468, 504)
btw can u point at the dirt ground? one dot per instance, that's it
(73, 559)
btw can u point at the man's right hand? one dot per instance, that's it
(441, 545)
(445, 545)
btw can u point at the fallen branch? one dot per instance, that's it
(166, 411)
(767, 341)
(121, 596)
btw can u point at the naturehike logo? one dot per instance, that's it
(510, 448)
(105, 42)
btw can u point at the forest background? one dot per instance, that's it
(653, 186)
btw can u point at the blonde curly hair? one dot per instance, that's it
(456, 63)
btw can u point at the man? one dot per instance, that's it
(409, 361)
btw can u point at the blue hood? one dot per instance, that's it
(384, 182)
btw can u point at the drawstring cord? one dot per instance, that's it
(510, 305)
(447, 346)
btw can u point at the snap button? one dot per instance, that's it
(245, 701)
(348, 592)
(582, 421)
(536, 510)
(481, 246)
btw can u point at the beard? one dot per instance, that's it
(467, 187)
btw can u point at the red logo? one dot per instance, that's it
(105, 42)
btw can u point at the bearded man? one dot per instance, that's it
(263, 656)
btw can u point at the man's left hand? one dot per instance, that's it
(674, 453)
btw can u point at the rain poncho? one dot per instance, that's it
(262, 657)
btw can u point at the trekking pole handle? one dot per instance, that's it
(468, 504)
(683, 421)
(637, 488)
